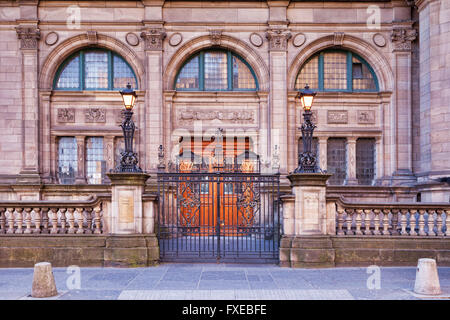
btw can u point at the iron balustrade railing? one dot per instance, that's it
(52, 217)
(392, 219)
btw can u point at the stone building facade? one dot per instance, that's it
(389, 140)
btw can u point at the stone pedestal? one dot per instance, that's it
(43, 281)
(127, 209)
(310, 212)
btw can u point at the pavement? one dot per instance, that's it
(177, 281)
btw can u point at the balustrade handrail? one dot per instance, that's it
(388, 205)
(93, 201)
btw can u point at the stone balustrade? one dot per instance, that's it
(392, 219)
(52, 217)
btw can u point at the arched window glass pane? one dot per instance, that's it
(365, 160)
(242, 76)
(70, 75)
(188, 77)
(67, 160)
(309, 74)
(337, 160)
(335, 70)
(216, 71)
(122, 74)
(96, 70)
(362, 77)
(95, 163)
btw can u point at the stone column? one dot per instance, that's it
(278, 36)
(351, 161)
(153, 36)
(263, 138)
(292, 125)
(126, 202)
(29, 35)
(402, 36)
(108, 151)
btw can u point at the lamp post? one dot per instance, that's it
(129, 159)
(307, 160)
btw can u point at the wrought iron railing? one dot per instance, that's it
(52, 217)
(392, 219)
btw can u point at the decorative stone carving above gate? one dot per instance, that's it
(95, 115)
(366, 116)
(241, 116)
(153, 39)
(334, 117)
(402, 37)
(278, 38)
(66, 115)
(28, 36)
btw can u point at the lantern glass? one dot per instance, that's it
(307, 102)
(128, 97)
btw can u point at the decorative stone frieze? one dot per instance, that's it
(95, 115)
(189, 116)
(334, 117)
(402, 37)
(154, 39)
(278, 39)
(215, 36)
(366, 116)
(66, 115)
(28, 36)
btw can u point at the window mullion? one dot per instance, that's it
(349, 72)
(82, 84)
(201, 71)
(230, 71)
(321, 72)
(110, 71)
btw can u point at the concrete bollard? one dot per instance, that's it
(427, 279)
(43, 281)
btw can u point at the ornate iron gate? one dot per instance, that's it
(225, 214)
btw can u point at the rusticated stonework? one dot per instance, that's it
(337, 116)
(401, 38)
(189, 116)
(278, 39)
(366, 116)
(95, 115)
(66, 115)
(153, 39)
(28, 37)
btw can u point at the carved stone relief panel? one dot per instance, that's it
(66, 115)
(188, 116)
(365, 116)
(335, 116)
(95, 115)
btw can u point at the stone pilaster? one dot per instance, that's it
(402, 36)
(278, 37)
(323, 144)
(153, 36)
(351, 161)
(126, 202)
(81, 156)
(28, 35)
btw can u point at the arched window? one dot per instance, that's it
(337, 70)
(216, 70)
(94, 69)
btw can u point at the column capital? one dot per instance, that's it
(153, 38)
(402, 37)
(278, 38)
(29, 36)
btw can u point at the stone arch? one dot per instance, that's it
(226, 42)
(73, 44)
(377, 61)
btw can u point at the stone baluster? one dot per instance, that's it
(394, 221)
(431, 222)
(439, 225)
(2, 220)
(28, 220)
(70, 213)
(44, 220)
(80, 220)
(54, 217)
(358, 222)
(63, 220)
(376, 222)
(340, 221)
(37, 220)
(386, 213)
(444, 222)
(89, 221)
(412, 222)
(403, 221)
(422, 222)
(10, 218)
(19, 220)
(367, 221)
(349, 221)
(97, 219)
